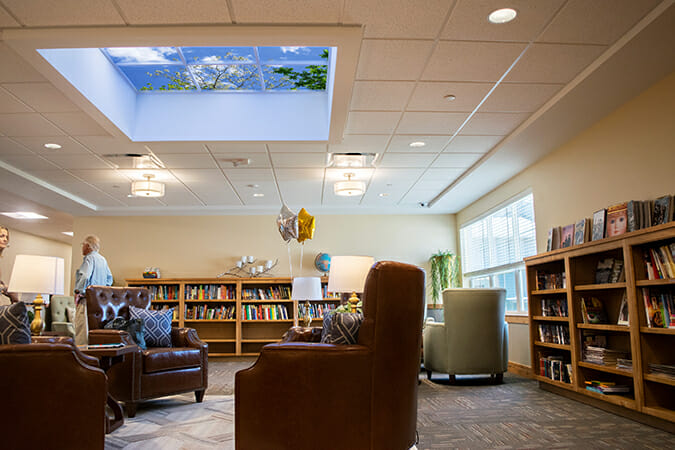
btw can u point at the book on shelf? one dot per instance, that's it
(633, 215)
(567, 236)
(592, 310)
(598, 225)
(624, 363)
(617, 220)
(553, 239)
(554, 307)
(603, 356)
(554, 334)
(662, 369)
(609, 270)
(658, 308)
(623, 311)
(555, 368)
(606, 387)
(663, 210)
(547, 280)
(582, 231)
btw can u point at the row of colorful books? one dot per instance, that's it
(316, 310)
(659, 307)
(268, 293)
(660, 261)
(555, 368)
(613, 221)
(264, 312)
(206, 312)
(606, 387)
(554, 307)
(210, 292)
(164, 308)
(163, 291)
(547, 280)
(554, 334)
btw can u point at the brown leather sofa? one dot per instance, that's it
(151, 373)
(53, 396)
(309, 395)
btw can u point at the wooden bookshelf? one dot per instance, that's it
(652, 395)
(217, 308)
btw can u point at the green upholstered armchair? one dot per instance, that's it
(58, 307)
(474, 337)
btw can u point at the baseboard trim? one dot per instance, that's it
(520, 369)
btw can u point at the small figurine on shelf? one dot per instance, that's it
(151, 272)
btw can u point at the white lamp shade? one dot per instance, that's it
(348, 273)
(306, 288)
(37, 275)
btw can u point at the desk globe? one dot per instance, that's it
(322, 262)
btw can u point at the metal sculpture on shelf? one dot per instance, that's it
(250, 267)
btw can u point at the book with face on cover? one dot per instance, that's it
(617, 220)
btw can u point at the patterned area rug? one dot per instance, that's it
(470, 414)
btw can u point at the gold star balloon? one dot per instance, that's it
(305, 225)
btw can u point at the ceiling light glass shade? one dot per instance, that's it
(503, 15)
(349, 188)
(147, 188)
(351, 159)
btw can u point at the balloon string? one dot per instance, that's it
(302, 248)
(290, 264)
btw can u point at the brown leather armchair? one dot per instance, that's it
(308, 395)
(151, 373)
(53, 396)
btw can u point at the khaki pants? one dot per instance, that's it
(81, 323)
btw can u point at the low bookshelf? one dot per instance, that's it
(588, 338)
(234, 316)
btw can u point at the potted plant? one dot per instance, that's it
(444, 274)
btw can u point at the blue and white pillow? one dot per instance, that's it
(156, 324)
(14, 327)
(341, 328)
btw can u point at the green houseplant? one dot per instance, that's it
(444, 273)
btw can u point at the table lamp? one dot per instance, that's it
(306, 288)
(37, 275)
(348, 274)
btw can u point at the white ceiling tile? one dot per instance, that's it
(315, 160)
(430, 122)
(296, 147)
(246, 190)
(42, 97)
(55, 176)
(209, 185)
(401, 143)
(372, 122)
(596, 22)
(381, 95)
(110, 145)
(28, 162)
(76, 123)
(177, 195)
(177, 161)
(429, 96)
(287, 175)
(14, 68)
(255, 160)
(247, 175)
(199, 176)
(392, 59)
(76, 161)
(510, 97)
(472, 144)
(10, 104)
(37, 144)
(456, 160)
(102, 176)
(27, 124)
(406, 160)
(416, 196)
(469, 20)
(553, 63)
(438, 181)
(360, 143)
(36, 13)
(471, 61)
(397, 18)
(9, 146)
(174, 11)
(6, 20)
(95, 195)
(161, 148)
(286, 11)
(301, 192)
(491, 123)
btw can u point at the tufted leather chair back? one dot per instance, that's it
(104, 303)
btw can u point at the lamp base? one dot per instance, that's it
(353, 301)
(37, 326)
(307, 317)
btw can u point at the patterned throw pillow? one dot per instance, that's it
(134, 327)
(341, 328)
(157, 324)
(14, 327)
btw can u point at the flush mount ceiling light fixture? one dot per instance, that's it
(347, 160)
(417, 144)
(52, 146)
(24, 215)
(147, 187)
(349, 188)
(503, 15)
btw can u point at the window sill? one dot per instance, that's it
(517, 318)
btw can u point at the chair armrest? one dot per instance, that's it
(302, 334)
(85, 359)
(187, 337)
(109, 336)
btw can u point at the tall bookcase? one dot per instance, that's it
(235, 316)
(559, 280)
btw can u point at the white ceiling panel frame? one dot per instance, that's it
(11, 146)
(516, 97)
(10, 104)
(76, 123)
(431, 122)
(413, 160)
(111, 145)
(236, 147)
(430, 96)
(76, 161)
(489, 123)
(37, 145)
(27, 124)
(393, 59)
(368, 143)
(381, 95)
(64, 13)
(42, 97)
(160, 12)
(297, 160)
(15, 69)
(432, 144)
(178, 161)
(255, 160)
(472, 144)
(456, 160)
(553, 63)
(287, 11)
(375, 122)
(297, 147)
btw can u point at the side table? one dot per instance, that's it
(109, 356)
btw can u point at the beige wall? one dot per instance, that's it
(204, 246)
(28, 244)
(628, 155)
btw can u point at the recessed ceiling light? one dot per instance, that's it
(258, 194)
(449, 97)
(417, 144)
(67, 233)
(253, 186)
(503, 15)
(384, 194)
(24, 215)
(52, 146)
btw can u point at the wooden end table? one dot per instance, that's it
(108, 357)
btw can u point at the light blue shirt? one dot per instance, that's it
(94, 271)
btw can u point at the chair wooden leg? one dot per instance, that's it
(428, 374)
(499, 378)
(452, 379)
(130, 408)
(199, 396)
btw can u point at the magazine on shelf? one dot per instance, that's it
(598, 225)
(623, 311)
(581, 230)
(567, 236)
(592, 310)
(603, 271)
(663, 210)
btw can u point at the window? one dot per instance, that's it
(493, 248)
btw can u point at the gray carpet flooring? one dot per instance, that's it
(470, 414)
